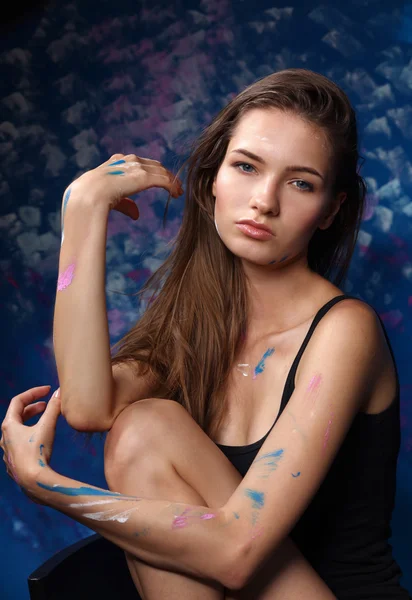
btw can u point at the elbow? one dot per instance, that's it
(84, 424)
(236, 574)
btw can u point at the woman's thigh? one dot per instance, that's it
(155, 432)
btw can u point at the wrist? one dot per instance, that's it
(92, 201)
(34, 477)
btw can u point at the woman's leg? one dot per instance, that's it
(155, 449)
(145, 441)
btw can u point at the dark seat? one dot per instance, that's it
(92, 568)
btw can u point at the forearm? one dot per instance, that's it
(169, 535)
(80, 328)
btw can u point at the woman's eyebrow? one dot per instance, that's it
(259, 159)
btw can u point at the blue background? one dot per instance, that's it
(83, 80)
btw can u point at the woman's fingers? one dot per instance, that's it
(128, 207)
(149, 165)
(164, 180)
(19, 402)
(133, 157)
(33, 409)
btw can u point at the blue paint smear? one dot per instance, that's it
(281, 260)
(66, 199)
(117, 162)
(116, 173)
(41, 449)
(270, 461)
(276, 455)
(261, 364)
(81, 491)
(41, 463)
(258, 498)
(31, 439)
(297, 474)
(236, 515)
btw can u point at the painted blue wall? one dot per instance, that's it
(83, 80)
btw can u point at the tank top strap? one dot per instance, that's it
(290, 382)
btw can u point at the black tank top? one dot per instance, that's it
(344, 531)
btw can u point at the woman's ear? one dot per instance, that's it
(214, 188)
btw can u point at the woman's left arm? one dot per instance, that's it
(226, 545)
(169, 535)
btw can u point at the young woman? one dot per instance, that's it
(272, 474)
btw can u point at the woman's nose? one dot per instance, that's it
(266, 197)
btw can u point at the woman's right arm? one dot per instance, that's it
(92, 392)
(80, 328)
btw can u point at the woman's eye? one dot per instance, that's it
(308, 188)
(239, 165)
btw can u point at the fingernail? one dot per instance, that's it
(57, 393)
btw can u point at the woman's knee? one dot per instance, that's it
(138, 437)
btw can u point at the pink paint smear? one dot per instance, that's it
(326, 438)
(182, 520)
(313, 387)
(257, 532)
(66, 278)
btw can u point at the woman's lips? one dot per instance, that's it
(254, 232)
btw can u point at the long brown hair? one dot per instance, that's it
(191, 331)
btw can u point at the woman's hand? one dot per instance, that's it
(109, 184)
(27, 449)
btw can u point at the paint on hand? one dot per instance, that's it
(268, 462)
(31, 440)
(261, 364)
(81, 491)
(115, 173)
(297, 474)
(41, 449)
(258, 498)
(66, 278)
(236, 515)
(117, 162)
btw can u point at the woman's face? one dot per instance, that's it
(285, 185)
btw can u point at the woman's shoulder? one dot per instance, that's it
(347, 307)
(351, 312)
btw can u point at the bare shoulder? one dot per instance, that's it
(351, 333)
(349, 344)
(353, 322)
